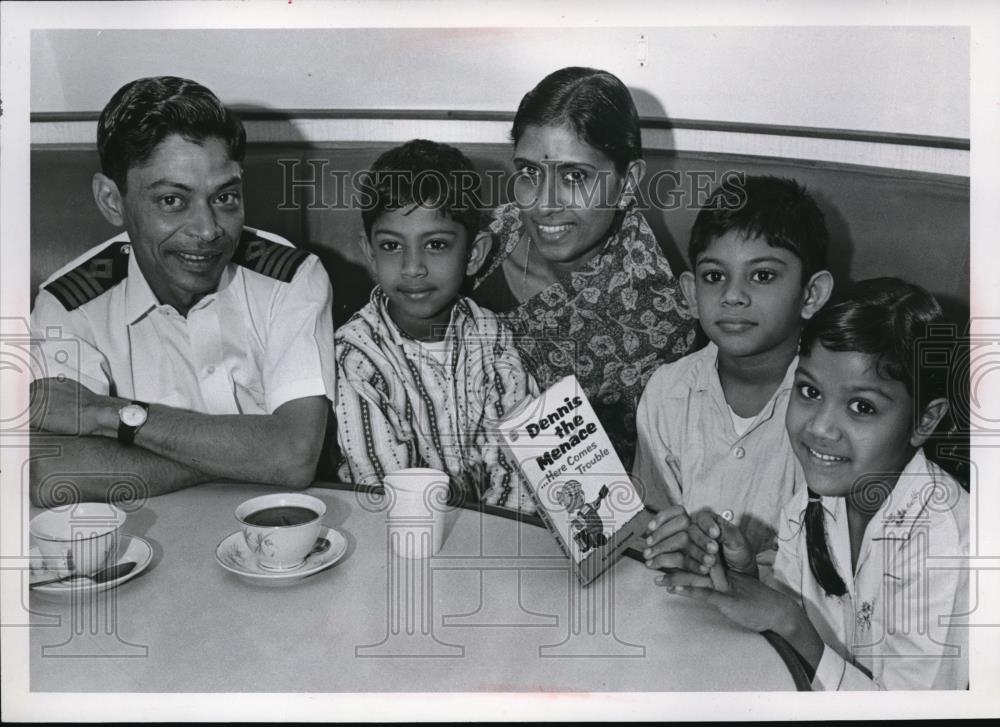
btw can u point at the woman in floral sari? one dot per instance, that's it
(575, 268)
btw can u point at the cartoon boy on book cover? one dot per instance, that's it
(586, 518)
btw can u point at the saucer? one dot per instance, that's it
(130, 548)
(234, 555)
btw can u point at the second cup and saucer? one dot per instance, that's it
(85, 539)
(280, 540)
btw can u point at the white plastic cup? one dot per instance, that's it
(281, 547)
(418, 498)
(79, 538)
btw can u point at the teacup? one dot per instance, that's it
(281, 529)
(78, 538)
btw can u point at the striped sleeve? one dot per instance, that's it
(509, 385)
(371, 442)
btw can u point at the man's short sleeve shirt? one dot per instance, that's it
(264, 338)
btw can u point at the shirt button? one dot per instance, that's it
(739, 453)
(727, 515)
(210, 370)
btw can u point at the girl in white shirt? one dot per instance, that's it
(869, 585)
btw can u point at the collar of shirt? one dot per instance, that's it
(708, 381)
(460, 315)
(892, 523)
(140, 298)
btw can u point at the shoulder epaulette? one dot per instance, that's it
(93, 277)
(268, 258)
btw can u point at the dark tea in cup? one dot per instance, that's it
(281, 529)
(281, 516)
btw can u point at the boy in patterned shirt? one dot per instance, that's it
(425, 374)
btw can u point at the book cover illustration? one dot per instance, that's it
(580, 487)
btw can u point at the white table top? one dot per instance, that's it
(497, 610)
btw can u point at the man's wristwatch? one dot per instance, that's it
(130, 417)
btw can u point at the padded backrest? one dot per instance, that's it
(882, 222)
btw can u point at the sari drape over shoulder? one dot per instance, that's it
(611, 323)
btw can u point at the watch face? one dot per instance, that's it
(132, 415)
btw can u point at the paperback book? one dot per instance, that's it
(579, 485)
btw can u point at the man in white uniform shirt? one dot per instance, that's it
(188, 348)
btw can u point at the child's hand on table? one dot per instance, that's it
(747, 601)
(755, 606)
(677, 540)
(668, 541)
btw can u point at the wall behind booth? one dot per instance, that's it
(890, 79)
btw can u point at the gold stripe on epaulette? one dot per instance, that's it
(91, 278)
(265, 266)
(73, 289)
(86, 282)
(284, 265)
(64, 294)
(272, 259)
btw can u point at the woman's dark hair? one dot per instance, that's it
(595, 104)
(886, 318)
(144, 112)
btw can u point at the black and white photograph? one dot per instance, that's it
(407, 361)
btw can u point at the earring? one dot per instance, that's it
(625, 198)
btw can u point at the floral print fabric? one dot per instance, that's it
(611, 323)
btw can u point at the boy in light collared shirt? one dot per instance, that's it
(711, 426)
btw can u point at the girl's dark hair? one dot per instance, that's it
(886, 318)
(144, 112)
(595, 104)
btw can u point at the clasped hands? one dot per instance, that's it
(707, 558)
(702, 546)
